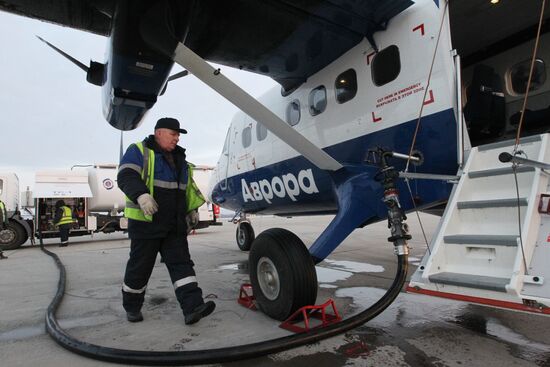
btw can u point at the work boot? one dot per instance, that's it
(199, 312)
(134, 316)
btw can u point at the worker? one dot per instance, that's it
(160, 192)
(3, 223)
(64, 220)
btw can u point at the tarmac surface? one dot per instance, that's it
(415, 330)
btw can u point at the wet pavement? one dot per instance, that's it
(415, 330)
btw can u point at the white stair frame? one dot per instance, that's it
(435, 262)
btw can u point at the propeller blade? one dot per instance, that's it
(69, 57)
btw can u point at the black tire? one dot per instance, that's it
(282, 273)
(244, 236)
(13, 236)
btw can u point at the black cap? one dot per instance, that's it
(169, 123)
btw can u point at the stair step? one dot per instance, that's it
(498, 203)
(499, 171)
(481, 239)
(508, 143)
(471, 281)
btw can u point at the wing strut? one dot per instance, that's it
(248, 104)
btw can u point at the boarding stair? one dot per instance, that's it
(477, 254)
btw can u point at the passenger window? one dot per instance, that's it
(519, 75)
(293, 112)
(346, 86)
(386, 66)
(261, 131)
(247, 136)
(317, 100)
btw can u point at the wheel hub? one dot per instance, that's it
(6, 236)
(240, 235)
(268, 278)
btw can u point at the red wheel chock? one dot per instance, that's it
(316, 311)
(246, 298)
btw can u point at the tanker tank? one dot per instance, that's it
(106, 194)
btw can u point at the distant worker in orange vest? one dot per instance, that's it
(64, 220)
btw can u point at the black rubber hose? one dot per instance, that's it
(218, 355)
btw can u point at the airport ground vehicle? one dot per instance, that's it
(91, 193)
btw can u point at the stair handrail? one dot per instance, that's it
(506, 157)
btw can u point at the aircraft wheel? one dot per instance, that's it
(245, 236)
(282, 273)
(13, 236)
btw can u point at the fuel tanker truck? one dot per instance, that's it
(92, 194)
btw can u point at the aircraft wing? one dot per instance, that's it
(92, 16)
(287, 40)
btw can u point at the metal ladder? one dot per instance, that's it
(476, 254)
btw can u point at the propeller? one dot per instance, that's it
(94, 73)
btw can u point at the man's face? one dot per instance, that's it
(167, 139)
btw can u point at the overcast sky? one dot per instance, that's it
(51, 117)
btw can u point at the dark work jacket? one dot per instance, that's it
(171, 201)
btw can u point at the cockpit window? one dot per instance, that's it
(225, 149)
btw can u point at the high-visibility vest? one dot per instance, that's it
(67, 217)
(193, 196)
(133, 210)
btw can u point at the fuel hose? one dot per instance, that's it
(217, 355)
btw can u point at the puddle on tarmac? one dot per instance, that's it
(32, 331)
(410, 314)
(22, 333)
(241, 268)
(355, 267)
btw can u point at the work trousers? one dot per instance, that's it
(174, 250)
(64, 232)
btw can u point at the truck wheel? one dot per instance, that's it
(282, 273)
(245, 236)
(13, 236)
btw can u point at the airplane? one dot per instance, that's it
(380, 105)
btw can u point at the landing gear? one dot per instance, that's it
(244, 235)
(282, 273)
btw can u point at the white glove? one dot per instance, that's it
(192, 219)
(147, 204)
